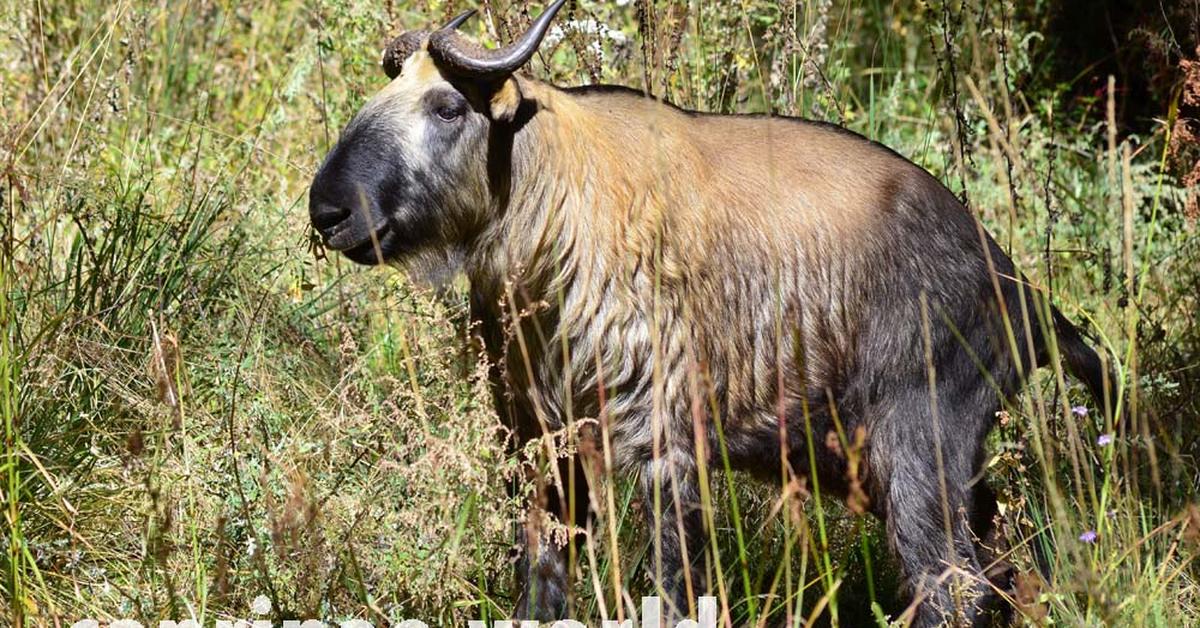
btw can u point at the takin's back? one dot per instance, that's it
(775, 171)
(774, 196)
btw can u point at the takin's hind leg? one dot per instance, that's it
(928, 500)
(991, 548)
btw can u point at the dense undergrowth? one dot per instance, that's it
(200, 408)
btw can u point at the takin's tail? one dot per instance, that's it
(1084, 363)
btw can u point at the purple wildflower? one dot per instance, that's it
(1088, 537)
(1104, 440)
(1080, 411)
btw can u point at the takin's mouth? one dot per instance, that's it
(350, 234)
(378, 248)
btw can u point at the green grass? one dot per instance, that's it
(199, 410)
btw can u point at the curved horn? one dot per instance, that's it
(459, 20)
(459, 56)
(407, 43)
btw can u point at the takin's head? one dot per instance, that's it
(409, 175)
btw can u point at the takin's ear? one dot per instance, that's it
(506, 100)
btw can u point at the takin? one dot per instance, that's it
(780, 294)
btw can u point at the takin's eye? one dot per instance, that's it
(448, 113)
(449, 107)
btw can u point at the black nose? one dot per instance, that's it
(325, 216)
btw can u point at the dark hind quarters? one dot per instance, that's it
(925, 451)
(927, 454)
(918, 472)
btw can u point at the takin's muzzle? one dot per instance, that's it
(345, 211)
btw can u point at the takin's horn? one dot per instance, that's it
(459, 56)
(407, 43)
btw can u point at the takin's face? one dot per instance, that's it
(409, 174)
(408, 178)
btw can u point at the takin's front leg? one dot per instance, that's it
(544, 562)
(671, 500)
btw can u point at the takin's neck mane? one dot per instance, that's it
(563, 213)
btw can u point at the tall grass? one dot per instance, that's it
(200, 409)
